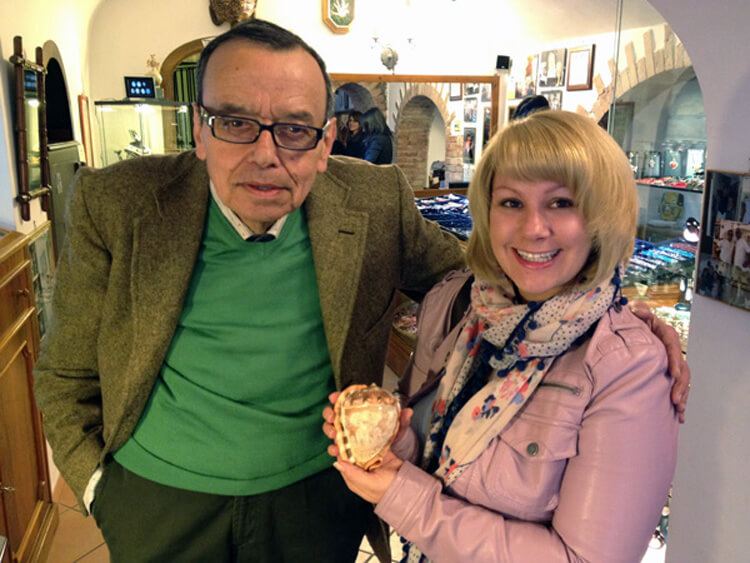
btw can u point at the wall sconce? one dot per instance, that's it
(232, 11)
(388, 53)
(389, 58)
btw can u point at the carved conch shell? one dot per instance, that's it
(366, 422)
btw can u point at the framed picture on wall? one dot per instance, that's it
(580, 68)
(554, 97)
(84, 113)
(470, 110)
(43, 273)
(552, 69)
(472, 89)
(470, 137)
(486, 90)
(723, 269)
(338, 15)
(487, 117)
(455, 91)
(528, 86)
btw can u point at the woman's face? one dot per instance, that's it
(353, 125)
(538, 236)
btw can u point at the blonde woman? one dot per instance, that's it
(544, 431)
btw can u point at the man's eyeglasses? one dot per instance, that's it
(245, 131)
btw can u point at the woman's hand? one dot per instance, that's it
(370, 485)
(678, 367)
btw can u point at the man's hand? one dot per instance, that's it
(678, 367)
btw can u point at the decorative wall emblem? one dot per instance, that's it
(338, 14)
(232, 11)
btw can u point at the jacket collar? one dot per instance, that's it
(338, 235)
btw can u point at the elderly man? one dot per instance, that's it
(208, 303)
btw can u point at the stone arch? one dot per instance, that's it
(412, 140)
(363, 93)
(58, 108)
(672, 56)
(361, 97)
(438, 95)
(175, 58)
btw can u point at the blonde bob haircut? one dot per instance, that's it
(574, 151)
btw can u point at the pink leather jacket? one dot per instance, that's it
(580, 474)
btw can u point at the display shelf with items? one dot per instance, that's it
(43, 273)
(662, 276)
(128, 129)
(665, 206)
(450, 211)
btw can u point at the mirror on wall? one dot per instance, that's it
(31, 130)
(439, 123)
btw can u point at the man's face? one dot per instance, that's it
(261, 182)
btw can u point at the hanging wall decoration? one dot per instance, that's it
(338, 14)
(232, 11)
(723, 268)
(552, 69)
(580, 67)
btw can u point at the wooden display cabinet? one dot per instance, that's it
(28, 517)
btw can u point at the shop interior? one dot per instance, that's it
(625, 67)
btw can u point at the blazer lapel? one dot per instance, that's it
(166, 243)
(337, 236)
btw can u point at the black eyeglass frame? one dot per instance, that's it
(211, 117)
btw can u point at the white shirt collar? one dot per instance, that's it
(243, 230)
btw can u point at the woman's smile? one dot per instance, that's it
(538, 236)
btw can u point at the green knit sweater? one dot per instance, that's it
(236, 409)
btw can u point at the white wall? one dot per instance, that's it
(710, 517)
(66, 23)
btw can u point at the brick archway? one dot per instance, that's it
(413, 138)
(376, 91)
(672, 56)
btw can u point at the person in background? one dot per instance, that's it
(530, 104)
(544, 429)
(342, 138)
(355, 143)
(377, 140)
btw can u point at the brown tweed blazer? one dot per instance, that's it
(133, 235)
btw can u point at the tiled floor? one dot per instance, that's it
(77, 538)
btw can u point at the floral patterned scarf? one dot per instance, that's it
(500, 357)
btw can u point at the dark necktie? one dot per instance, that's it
(265, 237)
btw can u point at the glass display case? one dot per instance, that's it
(128, 129)
(664, 209)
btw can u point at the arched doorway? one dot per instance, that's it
(420, 139)
(355, 97)
(177, 61)
(59, 124)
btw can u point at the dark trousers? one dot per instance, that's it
(314, 520)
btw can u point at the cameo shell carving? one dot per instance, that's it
(366, 422)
